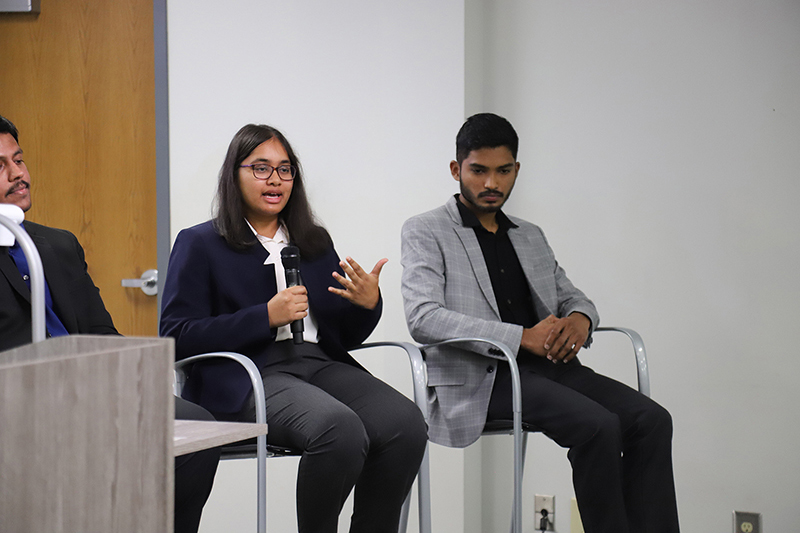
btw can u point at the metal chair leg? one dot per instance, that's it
(521, 474)
(424, 492)
(403, 526)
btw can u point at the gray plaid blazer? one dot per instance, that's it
(447, 293)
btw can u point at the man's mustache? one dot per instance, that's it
(19, 185)
(490, 192)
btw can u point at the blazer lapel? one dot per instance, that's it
(10, 271)
(540, 283)
(56, 282)
(475, 255)
(258, 255)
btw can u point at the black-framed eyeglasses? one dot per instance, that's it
(262, 171)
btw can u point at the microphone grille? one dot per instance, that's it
(290, 257)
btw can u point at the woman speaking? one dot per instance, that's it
(226, 290)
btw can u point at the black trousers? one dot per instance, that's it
(194, 474)
(619, 441)
(354, 430)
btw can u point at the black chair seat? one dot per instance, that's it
(246, 449)
(506, 426)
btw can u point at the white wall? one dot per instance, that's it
(371, 95)
(659, 151)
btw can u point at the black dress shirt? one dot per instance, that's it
(511, 289)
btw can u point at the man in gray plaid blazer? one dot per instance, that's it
(471, 271)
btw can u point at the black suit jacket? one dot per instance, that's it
(215, 299)
(76, 299)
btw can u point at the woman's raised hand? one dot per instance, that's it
(359, 287)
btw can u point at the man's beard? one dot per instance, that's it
(473, 201)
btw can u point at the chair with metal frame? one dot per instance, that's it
(235, 451)
(515, 426)
(261, 450)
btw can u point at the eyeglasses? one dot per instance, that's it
(262, 171)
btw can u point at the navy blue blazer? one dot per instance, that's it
(215, 299)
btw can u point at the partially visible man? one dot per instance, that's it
(73, 305)
(471, 271)
(72, 301)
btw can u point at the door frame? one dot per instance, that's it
(161, 64)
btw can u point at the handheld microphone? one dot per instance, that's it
(290, 257)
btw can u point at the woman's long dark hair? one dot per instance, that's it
(229, 218)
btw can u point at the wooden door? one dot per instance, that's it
(78, 82)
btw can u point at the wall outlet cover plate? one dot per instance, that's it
(548, 503)
(744, 522)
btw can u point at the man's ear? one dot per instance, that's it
(454, 170)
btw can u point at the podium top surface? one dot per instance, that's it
(71, 346)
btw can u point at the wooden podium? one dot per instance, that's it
(86, 436)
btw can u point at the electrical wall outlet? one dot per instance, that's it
(544, 508)
(744, 522)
